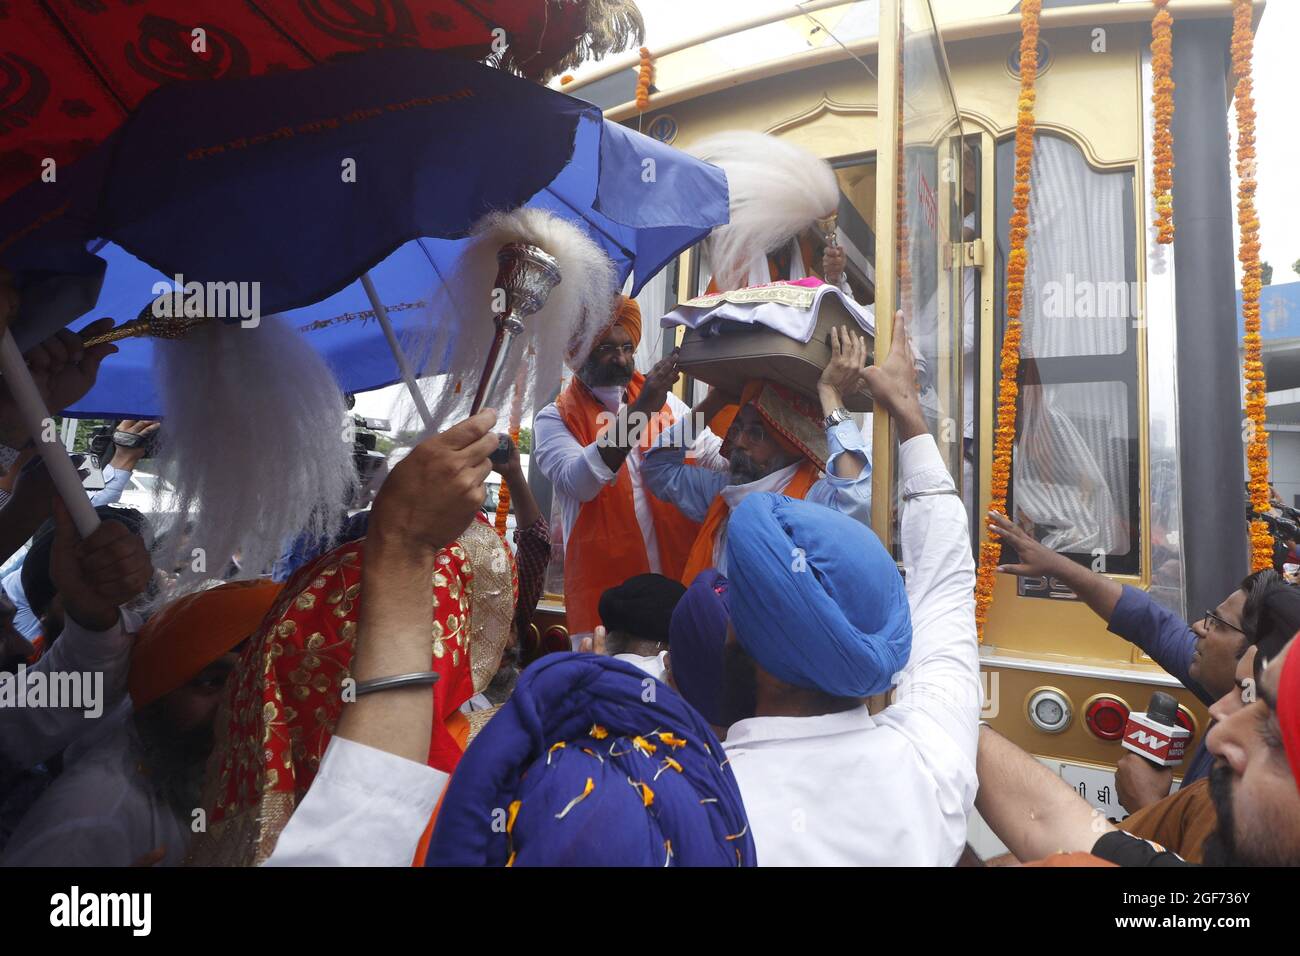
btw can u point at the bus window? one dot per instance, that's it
(1074, 480)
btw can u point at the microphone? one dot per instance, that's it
(1156, 734)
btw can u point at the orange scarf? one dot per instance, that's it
(701, 556)
(607, 546)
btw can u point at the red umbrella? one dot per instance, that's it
(71, 71)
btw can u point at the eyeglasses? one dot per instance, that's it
(754, 432)
(1210, 616)
(605, 351)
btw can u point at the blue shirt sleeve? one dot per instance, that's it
(1161, 634)
(111, 493)
(850, 496)
(689, 487)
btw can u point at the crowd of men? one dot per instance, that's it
(733, 613)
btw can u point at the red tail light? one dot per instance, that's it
(1106, 716)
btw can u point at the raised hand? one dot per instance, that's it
(843, 375)
(833, 260)
(893, 384)
(126, 459)
(661, 378)
(1035, 560)
(434, 492)
(63, 369)
(96, 576)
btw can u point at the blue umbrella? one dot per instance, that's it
(641, 213)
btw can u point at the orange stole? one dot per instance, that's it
(701, 556)
(605, 548)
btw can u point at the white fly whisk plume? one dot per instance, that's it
(777, 190)
(255, 439)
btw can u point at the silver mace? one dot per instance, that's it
(526, 274)
(827, 226)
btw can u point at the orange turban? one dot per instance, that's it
(286, 694)
(628, 314)
(792, 418)
(192, 632)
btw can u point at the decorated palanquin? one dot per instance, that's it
(287, 693)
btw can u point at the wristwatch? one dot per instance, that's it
(840, 414)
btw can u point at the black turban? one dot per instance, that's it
(642, 606)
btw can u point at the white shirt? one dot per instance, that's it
(102, 810)
(578, 473)
(850, 789)
(653, 665)
(366, 807)
(29, 735)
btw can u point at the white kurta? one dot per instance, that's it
(850, 789)
(578, 473)
(366, 807)
(29, 735)
(102, 810)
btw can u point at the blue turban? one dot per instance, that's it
(816, 600)
(578, 768)
(697, 636)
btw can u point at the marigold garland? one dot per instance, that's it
(1017, 259)
(645, 77)
(503, 499)
(1243, 41)
(1162, 101)
(516, 417)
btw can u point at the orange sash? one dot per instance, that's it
(606, 546)
(701, 556)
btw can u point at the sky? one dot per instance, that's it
(1278, 134)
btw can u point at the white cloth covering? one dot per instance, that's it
(852, 789)
(366, 807)
(790, 321)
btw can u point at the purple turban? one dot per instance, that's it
(696, 637)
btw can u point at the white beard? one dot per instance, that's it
(256, 440)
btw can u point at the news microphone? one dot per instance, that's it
(1156, 735)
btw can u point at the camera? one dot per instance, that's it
(105, 439)
(364, 455)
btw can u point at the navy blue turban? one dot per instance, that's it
(697, 636)
(816, 600)
(592, 763)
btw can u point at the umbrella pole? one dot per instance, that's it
(31, 407)
(399, 356)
